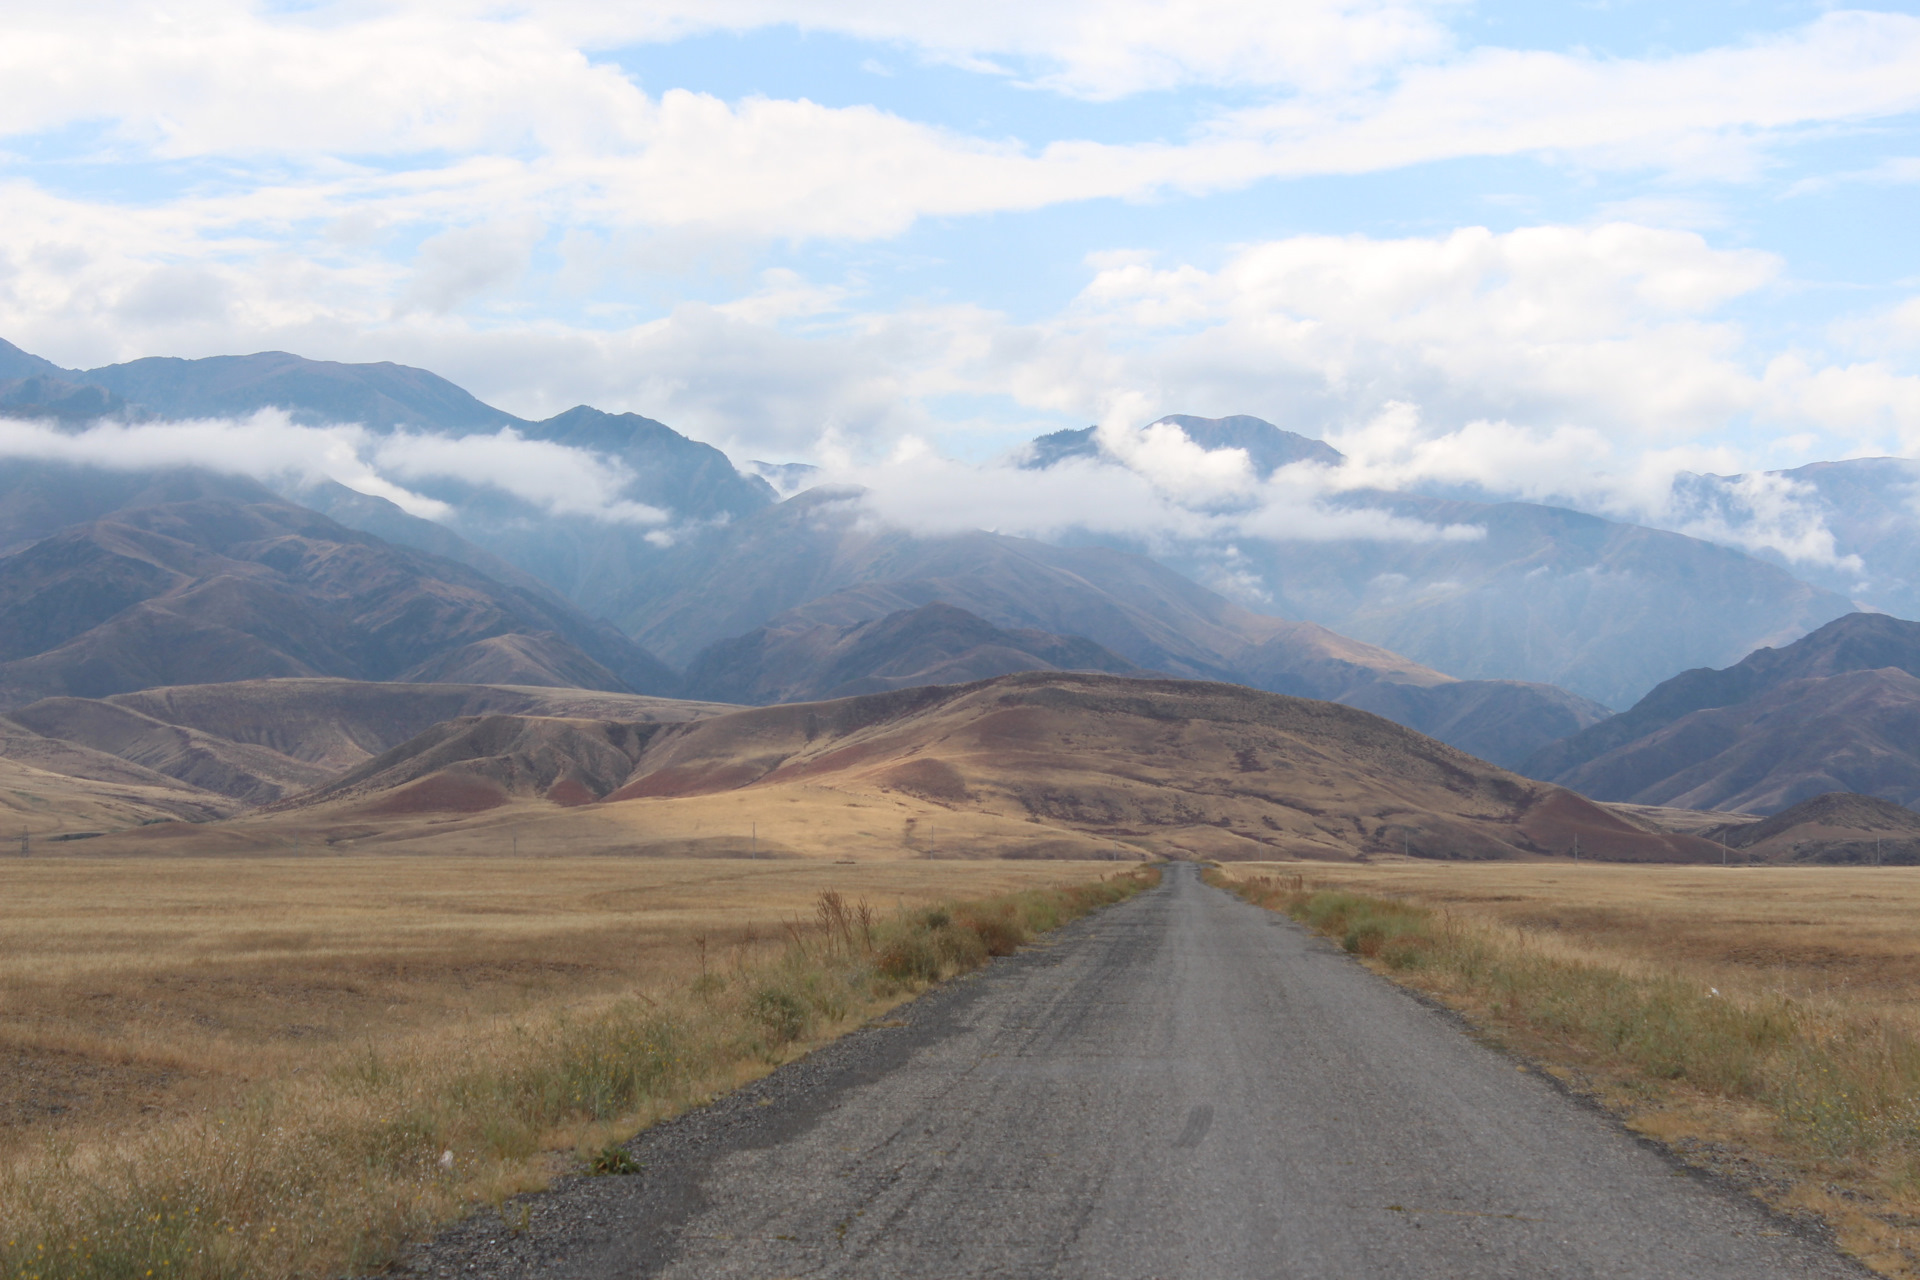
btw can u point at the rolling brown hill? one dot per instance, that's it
(80, 801)
(241, 771)
(230, 746)
(1836, 827)
(475, 763)
(1036, 764)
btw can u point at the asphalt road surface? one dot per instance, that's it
(1181, 1086)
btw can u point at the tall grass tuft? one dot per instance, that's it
(331, 1175)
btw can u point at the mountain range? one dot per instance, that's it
(1539, 594)
(742, 584)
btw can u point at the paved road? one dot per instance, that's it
(1183, 1086)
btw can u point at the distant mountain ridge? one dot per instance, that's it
(1268, 447)
(1838, 710)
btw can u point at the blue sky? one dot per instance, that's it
(1552, 250)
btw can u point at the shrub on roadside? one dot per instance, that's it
(912, 957)
(999, 933)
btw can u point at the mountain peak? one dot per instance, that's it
(1268, 447)
(15, 363)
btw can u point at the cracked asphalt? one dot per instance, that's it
(1179, 1086)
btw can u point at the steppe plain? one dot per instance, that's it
(136, 988)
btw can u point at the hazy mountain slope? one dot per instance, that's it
(685, 479)
(690, 486)
(190, 592)
(1856, 642)
(934, 644)
(1538, 594)
(66, 402)
(816, 546)
(386, 521)
(671, 471)
(1025, 763)
(1308, 660)
(15, 363)
(1870, 506)
(541, 659)
(1504, 721)
(1799, 738)
(1604, 609)
(379, 395)
(38, 499)
(1138, 609)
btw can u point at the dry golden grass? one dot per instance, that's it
(1764, 1022)
(143, 985)
(280, 1068)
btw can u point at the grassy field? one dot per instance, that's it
(282, 1066)
(1763, 1022)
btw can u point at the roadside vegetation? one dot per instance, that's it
(1808, 1094)
(328, 1170)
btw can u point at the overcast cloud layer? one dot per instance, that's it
(1559, 256)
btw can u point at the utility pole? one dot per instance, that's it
(753, 840)
(26, 844)
(1576, 848)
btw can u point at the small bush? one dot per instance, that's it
(612, 1160)
(1000, 934)
(781, 1014)
(910, 958)
(961, 948)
